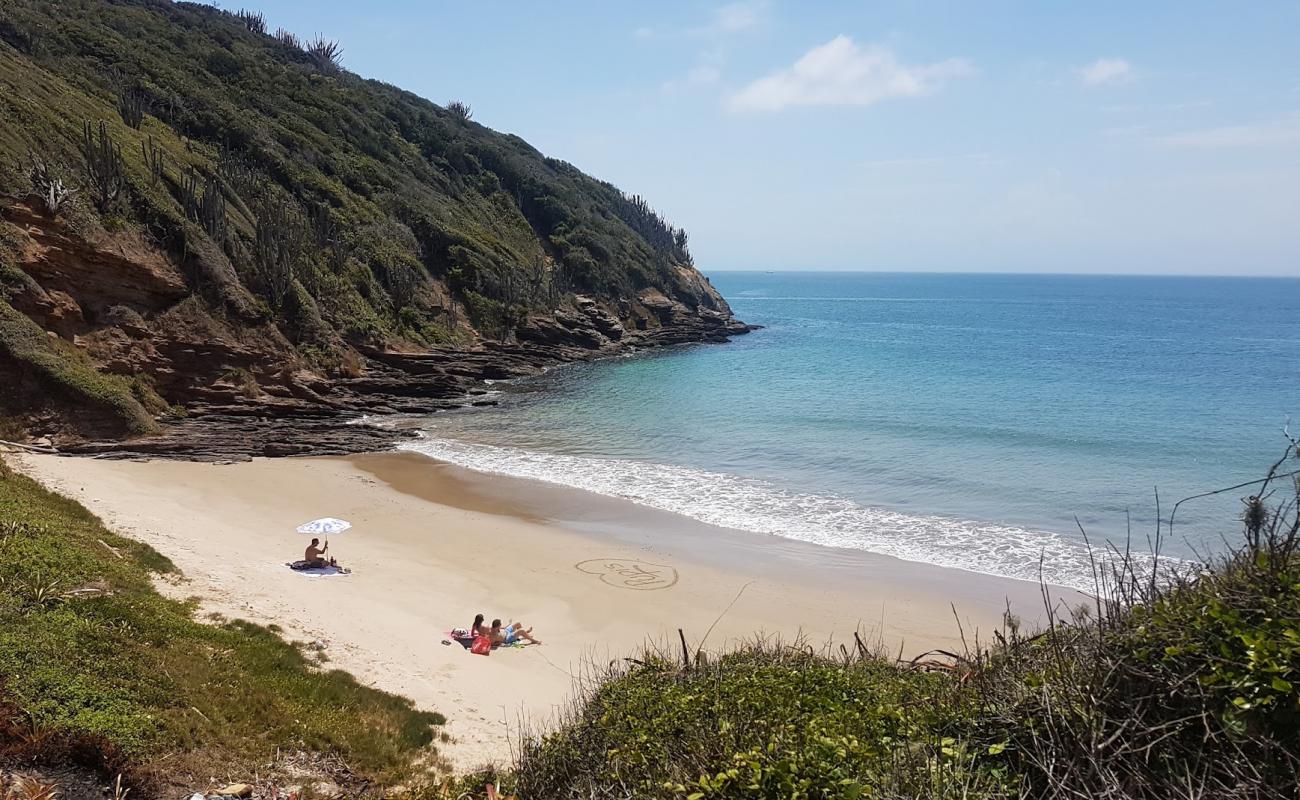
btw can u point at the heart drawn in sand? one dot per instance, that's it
(628, 573)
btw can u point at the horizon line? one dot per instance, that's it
(1263, 276)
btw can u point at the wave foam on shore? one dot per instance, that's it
(757, 506)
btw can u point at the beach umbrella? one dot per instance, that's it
(325, 526)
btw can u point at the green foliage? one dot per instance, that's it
(766, 720)
(226, 99)
(1186, 685)
(1238, 631)
(123, 666)
(39, 364)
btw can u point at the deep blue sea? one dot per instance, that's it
(961, 420)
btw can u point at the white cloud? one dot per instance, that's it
(1285, 131)
(739, 16)
(1106, 72)
(840, 73)
(643, 32)
(706, 72)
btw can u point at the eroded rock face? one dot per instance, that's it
(237, 386)
(81, 280)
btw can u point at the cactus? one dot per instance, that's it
(287, 38)
(255, 21)
(102, 158)
(206, 207)
(132, 104)
(45, 182)
(241, 178)
(323, 229)
(461, 111)
(325, 54)
(277, 247)
(155, 159)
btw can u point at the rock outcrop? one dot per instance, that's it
(234, 389)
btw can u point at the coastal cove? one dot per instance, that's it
(433, 544)
(971, 421)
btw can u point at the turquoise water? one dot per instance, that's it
(963, 420)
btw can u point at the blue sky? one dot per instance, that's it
(1154, 137)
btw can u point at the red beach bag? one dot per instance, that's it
(482, 646)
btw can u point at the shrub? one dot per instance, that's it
(47, 183)
(1174, 684)
(461, 111)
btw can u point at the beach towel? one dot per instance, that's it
(461, 636)
(315, 572)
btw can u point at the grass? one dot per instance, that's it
(1181, 686)
(121, 678)
(51, 368)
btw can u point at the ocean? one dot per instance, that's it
(982, 422)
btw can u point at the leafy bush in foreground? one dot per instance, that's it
(1182, 687)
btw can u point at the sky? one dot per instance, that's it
(1097, 137)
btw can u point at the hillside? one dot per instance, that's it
(200, 215)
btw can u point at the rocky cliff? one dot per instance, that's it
(220, 231)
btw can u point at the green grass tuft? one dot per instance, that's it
(132, 671)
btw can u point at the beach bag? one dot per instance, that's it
(482, 646)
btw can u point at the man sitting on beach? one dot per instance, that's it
(315, 555)
(511, 633)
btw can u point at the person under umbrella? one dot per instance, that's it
(316, 555)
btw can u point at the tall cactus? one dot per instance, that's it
(155, 159)
(287, 38)
(241, 178)
(461, 111)
(102, 159)
(206, 205)
(132, 103)
(255, 21)
(278, 244)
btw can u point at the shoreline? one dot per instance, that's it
(433, 544)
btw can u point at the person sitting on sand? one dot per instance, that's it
(478, 628)
(315, 555)
(511, 633)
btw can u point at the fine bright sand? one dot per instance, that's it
(432, 544)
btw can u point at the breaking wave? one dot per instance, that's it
(758, 506)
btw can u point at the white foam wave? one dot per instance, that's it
(758, 506)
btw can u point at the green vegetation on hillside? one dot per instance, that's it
(329, 194)
(314, 214)
(53, 369)
(96, 667)
(1184, 687)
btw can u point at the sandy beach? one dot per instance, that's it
(433, 544)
